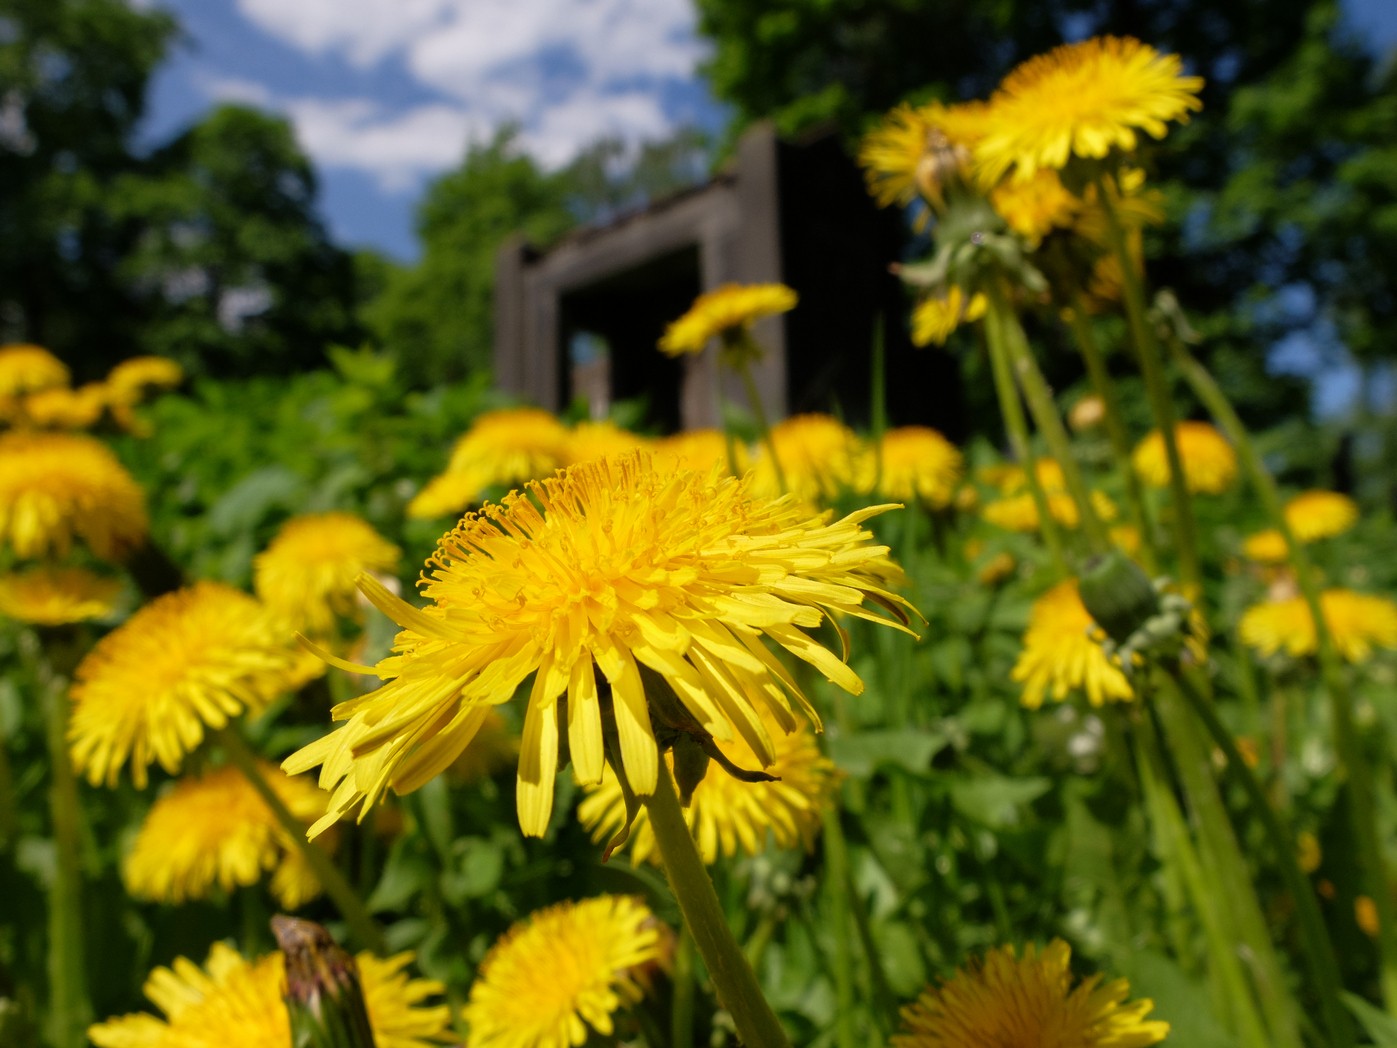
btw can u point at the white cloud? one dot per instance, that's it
(567, 71)
(397, 149)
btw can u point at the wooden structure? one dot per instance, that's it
(582, 318)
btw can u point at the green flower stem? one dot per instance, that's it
(1352, 761)
(1319, 951)
(681, 1025)
(1233, 995)
(1115, 424)
(1157, 388)
(1017, 428)
(1232, 881)
(351, 907)
(733, 978)
(1045, 415)
(741, 363)
(70, 1010)
(836, 888)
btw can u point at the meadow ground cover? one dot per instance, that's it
(785, 734)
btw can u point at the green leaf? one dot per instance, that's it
(996, 800)
(911, 750)
(1380, 1026)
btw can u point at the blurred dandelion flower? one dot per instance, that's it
(57, 487)
(1358, 622)
(1003, 999)
(215, 830)
(1315, 515)
(62, 408)
(727, 816)
(1087, 413)
(1266, 547)
(913, 464)
(935, 317)
(1210, 464)
(1020, 512)
(131, 379)
(725, 312)
(818, 454)
(502, 448)
(306, 575)
(191, 659)
(1059, 655)
(233, 1001)
(25, 368)
(1035, 206)
(1084, 99)
(563, 973)
(698, 450)
(588, 441)
(916, 150)
(53, 596)
(608, 566)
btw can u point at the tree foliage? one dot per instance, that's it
(207, 249)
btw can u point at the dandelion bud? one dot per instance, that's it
(322, 993)
(1118, 595)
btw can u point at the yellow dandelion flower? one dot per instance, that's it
(215, 830)
(188, 660)
(726, 816)
(723, 313)
(996, 569)
(1020, 512)
(934, 318)
(589, 441)
(306, 575)
(26, 368)
(1365, 915)
(699, 450)
(1059, 655)
(1307, 851)
(1358, 622)
(1136, 203)
(1266, 547)
(597, 957)
(232, 1001)
(131, 379)
(1084, 99)
(1034, 207)
(57, 487)
(913, 464)
(607, 566)
(502, 448)
(62, 408)
(916, 149)
(53, 596)
(1126, 538)
(1315, 515)
(1210, 464)
(819, 458)
(1003, 999)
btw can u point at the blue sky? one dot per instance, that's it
(385, 94)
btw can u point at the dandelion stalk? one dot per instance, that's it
(740, 360)
(70, 1010)
(1045, 415)
(1352, 761)
(1017, 427)
(1319, 951)
(1233, 880)
(733, 978)
(1176, 847)
(682, 986)
(836, 887)
(1115, 423)
(351, 907)
(1157, 388)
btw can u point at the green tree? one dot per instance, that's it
(73, 77)
(230, 267)
(435, 316)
